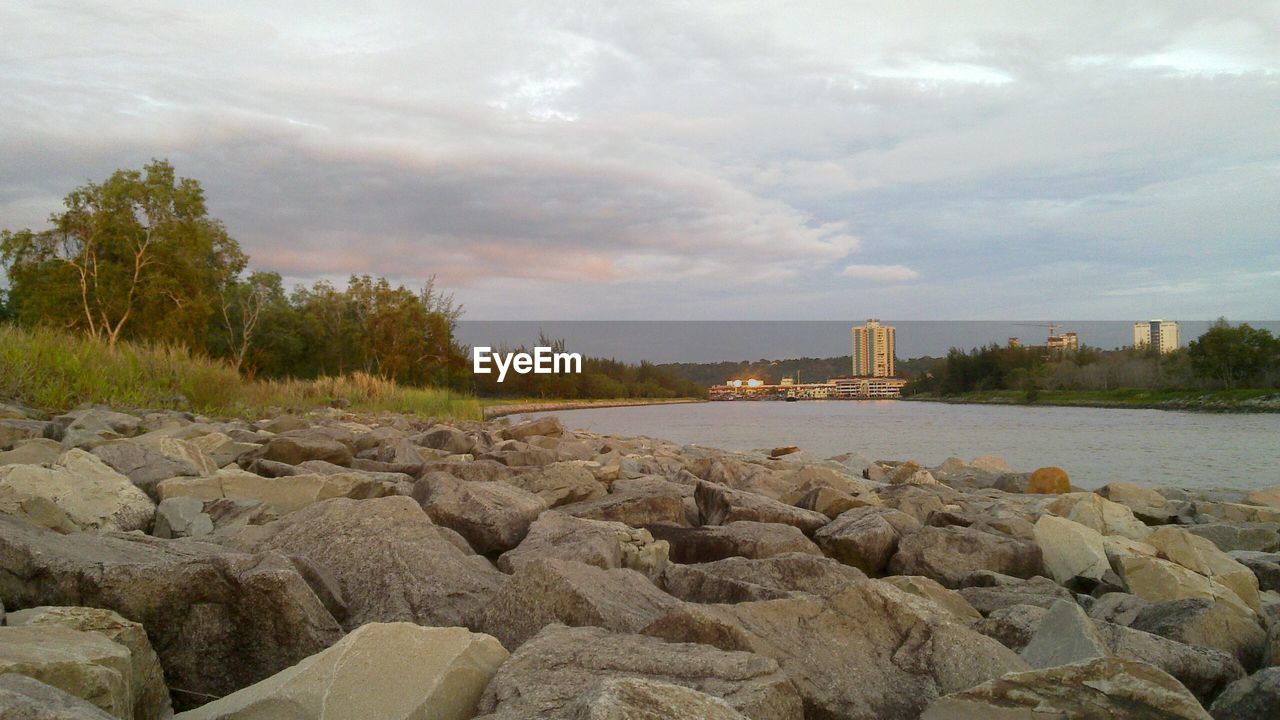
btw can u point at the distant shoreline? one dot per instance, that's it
(1227, 401)
(536, 406)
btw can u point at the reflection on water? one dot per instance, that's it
(1095, 446)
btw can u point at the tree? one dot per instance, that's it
(242, 306)
(135, 255)
(1233, 356)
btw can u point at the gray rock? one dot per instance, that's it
(1198, 621)
(553, 673)
(721, 505)
(1253, 698)
(996, 591)
(1264, 565)
(36, 451)
(743, 538)
(1204, 671)
(447, 438)
(494, 517)
(637, 699)
(182, 517)
(608, 545)
(1065, 635)
(297, 449)
(1119, 608)
(949, 554)
(560, 483)
(1259, 536)
(865, 538)
(89, 427)
(24, 698)
(637, 506)
(83, 664)
(571, 593)
(147, 463)
(544, 426)
(14, 431)
(1012, 626)
(737, 579)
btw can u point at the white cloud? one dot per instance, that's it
(883, 273)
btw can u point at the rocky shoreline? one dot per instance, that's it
(339, 565)
(493, 412)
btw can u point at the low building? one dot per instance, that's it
(1160, 334)
(864, 388)
(1063, 342)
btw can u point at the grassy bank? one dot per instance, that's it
(1247, 400)
(498, 407)
(53, 371)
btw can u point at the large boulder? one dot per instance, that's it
(1258, 537)
(1101, 689)
(571, 593)
(180, 517)
(494, 517)
(639, 504)
(16, 430)
(720, 505)
(1201, 555)
(1065, 635)
(390, 561)
(84, 664)
(557, 536)
(1197, 621)
(148, 462)
(440, 437)
(560, 483)
(1074, 554)
(282, 495)
(1049, 481)
(1204, 671)
(1253, 698)
(637, 699)
(219, 620)
(150, 697)
(949, 554)
(866, 537)
(869, 651)
(295, 449)
(738, 579)
(88, 427)
(37, 451)
(1146, 504)
(949, 600)
(988, 592)
(553, 673)
(1012, 626)
(78, 492)
(548, 426)
(391, 671)
(743, 538)
(1099, 513)
(24, 698)
(1157, 580)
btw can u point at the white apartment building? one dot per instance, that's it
(1161, 334)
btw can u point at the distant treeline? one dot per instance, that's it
(772, 371)
(600, 379)
(1224, 357)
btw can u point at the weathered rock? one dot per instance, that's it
(148, 462)
(150, 697)
(870, 651)
(390, 561)
(948, 554)
(86, 428)
(230, 515)
(1049, 481)
(996, 591)
(397, 671)
(1266, 496)
(84, 664)
(1074, 555)
(560, 483)
(1260, 537)
(219, 620)
(1235, 512)
(493, 517)
(447, 438)
(1160, 581)
(743, 538)
(182, 517)
(636, 699)
(1099, 513)
(549, 675)
(918, 501)
(832, 502)
(720, 505)
(949, 600)
(514, 453)
(608, 545)
(865, 538)
(1102, 689)
(1197, 621)
(1201, 555)
(1117, 607)
(990, 463)
(78, 492)
(296, 449)
(571, 593)
(1253, 698)
(1202, 670)
(637, 506)
(739, 579)
(24, 698)
(282, 495)
(474, 471)
(1065, 635)
(36, 451)
(1012, 626)
(1146, 504)
(14, 431)
(284, 423)
(544, 426)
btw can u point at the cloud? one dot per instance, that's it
(885, 273)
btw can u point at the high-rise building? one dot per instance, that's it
(873, 350)
(1159, 334)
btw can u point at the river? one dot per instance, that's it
(1094, 445)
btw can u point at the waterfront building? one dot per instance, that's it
(1159, 334)
(873, 350)
(1065, 341)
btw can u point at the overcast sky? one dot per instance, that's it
(634, 160)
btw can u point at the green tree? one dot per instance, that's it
(1234, 356)
(136, 255)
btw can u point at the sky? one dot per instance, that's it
(714, 161)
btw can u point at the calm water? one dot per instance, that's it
(1094, 446)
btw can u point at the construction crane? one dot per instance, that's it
(1053, 327)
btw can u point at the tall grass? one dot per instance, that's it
(54, 371)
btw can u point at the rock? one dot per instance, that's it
(446, 438)
(36, 451)
(544, 426)
(78, 492)
(493, 517)
(1261, 537)
(1271, 649)
(1253, 698)
(1049, 481)
(1074, 555)
(281, 495)
(1012, 626)
(720, 505)
(206, 610)
(86, 428)
(284, 423)
(811, 477)
(150, 697)
(918, 501)
(870, 651)
(991, 464)
(221, 448)
(1065, 635)
(1267, 496)
(1101, 689)
(1197, 621)
(739, 579)
(1146, 504)
(297, 449)
(1117, 607)
(14, 431)
(1235, 512)
(1012, 482)
(230, 515)
(1097, 512)
(24, 698)
(949, 554)
(949, 600)
(560, 483)
(475, 471)
(514, 453)
(1201, 555)
(571, 593)
(637, 506)
(84, 664)
(1204, 671)
(1004, 591)
(396, 671)
(832, 502)
(636, 699)
(1159, 581)
(865, 538)
(608, 545)
(182, 517)
(390, 561)
(147, 463)
(743, 538)
(550, 675)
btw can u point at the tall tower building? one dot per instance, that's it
(1160, 334)
(873, 350)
